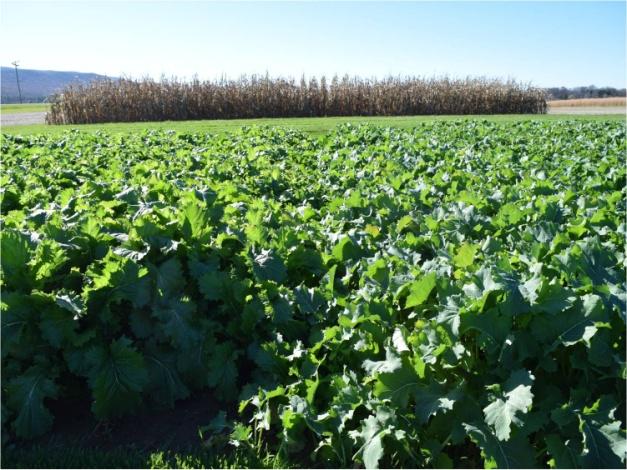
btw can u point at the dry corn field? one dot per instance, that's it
(614, 101)
(129, 100)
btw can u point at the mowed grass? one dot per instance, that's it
(309, 125)
(24, 108)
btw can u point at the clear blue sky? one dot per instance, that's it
(548, 44)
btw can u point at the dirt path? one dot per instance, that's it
(20, 119)
(586, 110)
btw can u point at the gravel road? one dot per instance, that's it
(20, 119)
(586, 110)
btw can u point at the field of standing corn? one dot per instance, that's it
(128, 100)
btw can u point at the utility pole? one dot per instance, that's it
(17, 78)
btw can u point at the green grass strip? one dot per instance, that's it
(62, 456)
(309, 125)
(24, 108)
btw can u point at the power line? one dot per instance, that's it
(17, 79)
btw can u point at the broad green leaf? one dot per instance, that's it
(398, 341)
(493, 327)
(267, 266)
(305, 260)
(563, 454)
(513, 453)
(572, 326)
(71, 303)
(308, 300)
(391, 363)
(530, 289)
(176, 317)
(370, 436)
(121, 279)
(508, 215)
(169, 277)
(398, 385)
(240, 434)
(195, 221)
(420, 290)
(517, 398)
(465, 255)
(164, 381)
(57, 325)
(346, 249)
(25, 397)
(143, 324)
(604, 446)
(223, 371)
(117, 376)
(49, 257)
(211, 284)
(372, 452)
(379, 272)
(483, 283)
(604, 440)
(16, 253)
(554, 298)
(433, 399)
(20, 321)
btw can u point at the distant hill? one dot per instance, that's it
(37, 85)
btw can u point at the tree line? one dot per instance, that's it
(563, 93)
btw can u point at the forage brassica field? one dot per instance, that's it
(449, 295)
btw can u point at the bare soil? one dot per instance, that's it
(165, 429)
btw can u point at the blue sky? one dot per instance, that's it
(546, 43)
